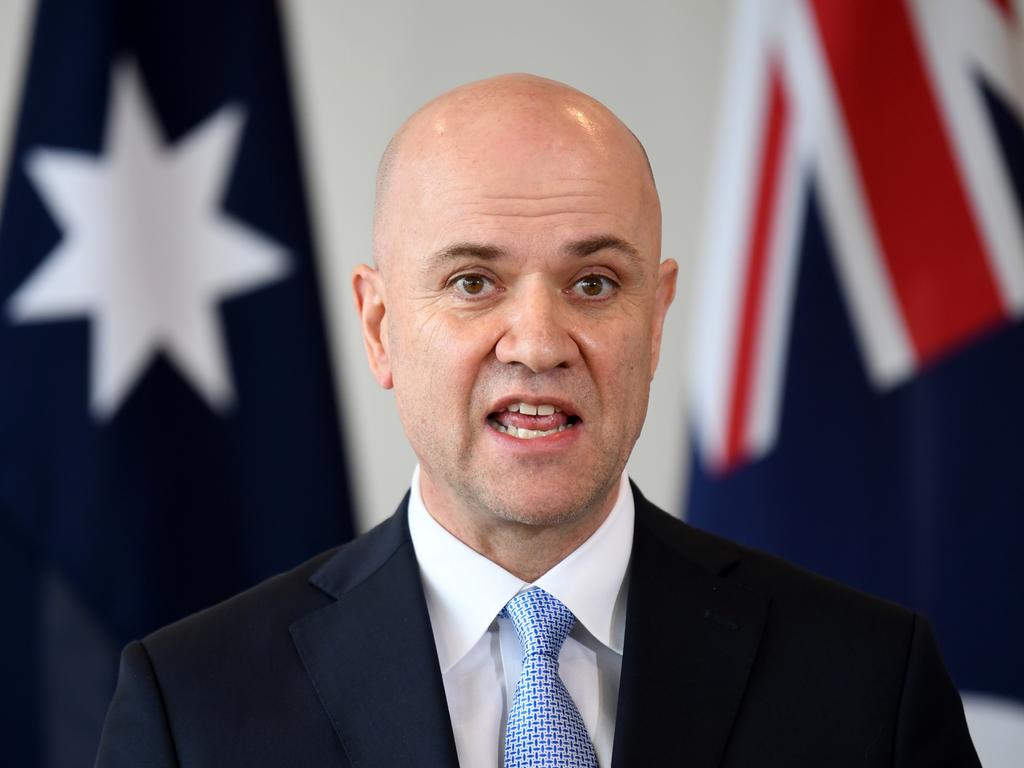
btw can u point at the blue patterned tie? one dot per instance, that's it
(544, 727)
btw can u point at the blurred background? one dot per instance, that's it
(185, 406)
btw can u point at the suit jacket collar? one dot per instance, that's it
(371, 654)
(691, 640)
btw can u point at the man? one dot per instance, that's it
(525, 603)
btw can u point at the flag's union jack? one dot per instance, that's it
(878, 105)
(857, 381)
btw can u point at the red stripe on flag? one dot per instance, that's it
(929, 238)
(765, 216)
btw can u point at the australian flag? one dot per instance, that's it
(168, 429)
(858, 369)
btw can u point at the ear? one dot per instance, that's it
(371, 304)
(665, 291)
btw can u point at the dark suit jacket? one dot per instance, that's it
(732, 658)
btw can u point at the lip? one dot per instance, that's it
(559, 441)
(559, 402)
(538, 446)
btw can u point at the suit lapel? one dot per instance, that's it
(691, 640)
(371, 655)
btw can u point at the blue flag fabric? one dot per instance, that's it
(842, 422)
(168, 430)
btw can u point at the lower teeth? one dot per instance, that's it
(528, 434)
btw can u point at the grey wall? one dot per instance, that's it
(361, 67)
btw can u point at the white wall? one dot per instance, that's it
(361, 67)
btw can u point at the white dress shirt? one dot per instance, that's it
(480, 655)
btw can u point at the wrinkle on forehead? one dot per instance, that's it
(495, 122)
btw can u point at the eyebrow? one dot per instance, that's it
(465, 250)
(587, 246)
(577, 248)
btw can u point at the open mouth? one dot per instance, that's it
(528, 421)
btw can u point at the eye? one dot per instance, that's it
(471, 285)
(594, 286)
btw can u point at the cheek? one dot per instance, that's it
(621, 363)
(437, 358)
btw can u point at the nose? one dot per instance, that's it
(538, 329)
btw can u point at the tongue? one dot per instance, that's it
(539, 423)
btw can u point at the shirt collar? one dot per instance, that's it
(590, 581)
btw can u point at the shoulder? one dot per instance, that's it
(255, 622)
(231, 675)
(252, 614)
(230, 680)
(834, 673)
(799, 598)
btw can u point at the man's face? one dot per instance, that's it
(521, 275)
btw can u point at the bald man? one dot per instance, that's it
(526, 605)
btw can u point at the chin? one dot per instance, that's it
(538, 510)
(540, 517)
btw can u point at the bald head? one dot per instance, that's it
(502, 121)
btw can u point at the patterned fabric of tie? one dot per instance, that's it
(544, 727)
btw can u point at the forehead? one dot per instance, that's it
(518, 167)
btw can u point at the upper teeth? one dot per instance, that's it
(544, 409)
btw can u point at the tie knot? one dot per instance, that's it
(541, 621)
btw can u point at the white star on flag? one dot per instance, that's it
(146, 253)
